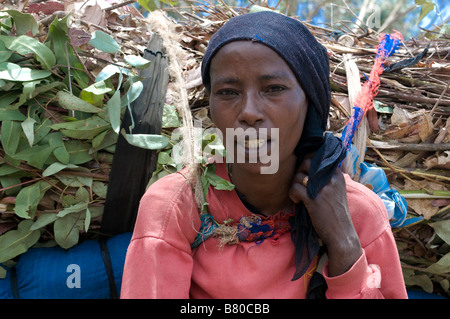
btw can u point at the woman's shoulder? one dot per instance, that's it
(367, 210)
(168, 203)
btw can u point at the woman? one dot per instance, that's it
(266, 72)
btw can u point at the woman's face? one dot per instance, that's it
(253, 89)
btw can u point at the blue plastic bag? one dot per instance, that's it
(374, 177)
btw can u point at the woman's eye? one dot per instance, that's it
(275, 89)
(226, 92)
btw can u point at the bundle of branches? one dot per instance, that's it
(68, 71)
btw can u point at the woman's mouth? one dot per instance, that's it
(255, 143)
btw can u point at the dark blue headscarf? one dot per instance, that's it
(308, 59)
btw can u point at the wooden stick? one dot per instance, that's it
(429, 147)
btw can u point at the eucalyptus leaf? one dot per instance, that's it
(5, 54)
(98, 88)
(8, 181)
(76, 208)
(137, 61)
(59, 151)
(70, 102)
(10, 135)
(87, 220)
(109, 71)
(55, 168)
(100, 189)
(82, 129)
(149, 5)
(7, 98)
(67, 231)
(147, 141)
(78, 152)
(104, 42)
(442, 228)
(16, 242)
(114, 108)
(11, 115)
(28, 199)
(114, 111)
(16, 73)
(442, 265)
(43, 220)
(28, 129)
(26, 45)
(24, 22)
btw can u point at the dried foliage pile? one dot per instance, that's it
(407, 135)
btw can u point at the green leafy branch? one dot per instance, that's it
(59, 128)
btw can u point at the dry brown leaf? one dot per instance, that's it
(438, 161)
(426, 127)
(422, 207)
(443, 136)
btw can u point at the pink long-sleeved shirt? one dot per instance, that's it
(161, 264)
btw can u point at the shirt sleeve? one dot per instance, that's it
(159, 260)
(377, 273)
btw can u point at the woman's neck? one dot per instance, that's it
(267, 192)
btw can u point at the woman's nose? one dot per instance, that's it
(251, 111)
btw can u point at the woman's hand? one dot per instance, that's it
(330, 217)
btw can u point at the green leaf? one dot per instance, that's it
(10, 135)
(170, 117)
(78, 152)
(44, 220)
(147, 141)
(148, 5)
(25, 45)
(8, 181)
(104, 42)
(59, 151)
(70, 102)
(5, 169)
(55, 168)
(11, 115)
(16, 242)
(67, 231)
(442, 265)
(35, 156)
(98, 88)
(422, 281)
(42, 130)
(24, 22)
(76, 208)
(114, 111)
(7, 98)
(426, 8)
(217, 181)
(83, 129)
(15, 73)
(28, 199)
(5, 54)
(133, 93)
(137, 61)
(442, 228)
(103, 140)
(100, 189)
(28, 129)
(109, 70)
(87, 220)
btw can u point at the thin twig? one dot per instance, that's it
(439, 100)
(119, 5)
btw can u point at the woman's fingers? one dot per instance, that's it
(297, 191)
